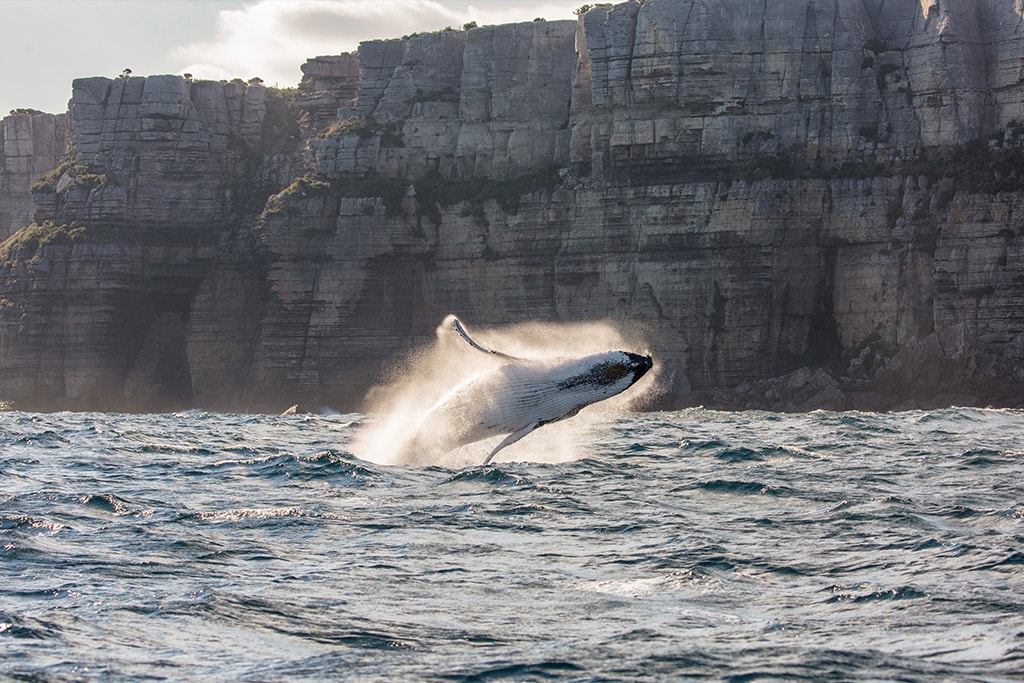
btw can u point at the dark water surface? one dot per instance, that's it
(692, 544)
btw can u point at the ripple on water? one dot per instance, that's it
(690, 544)
(745, 488)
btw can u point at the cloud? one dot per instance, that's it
(271, 39)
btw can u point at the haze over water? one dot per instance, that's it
(727, 546)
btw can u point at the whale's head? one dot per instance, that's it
(605, 375)
(621, 367)
(637, 365)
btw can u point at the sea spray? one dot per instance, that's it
(400, 410)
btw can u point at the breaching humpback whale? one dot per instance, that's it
(520, 396)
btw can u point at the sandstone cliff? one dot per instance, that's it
(31, 144)
(794, 205)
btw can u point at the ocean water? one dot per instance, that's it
(675, 545)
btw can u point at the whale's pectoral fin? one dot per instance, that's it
(512, 438)
(457, 325)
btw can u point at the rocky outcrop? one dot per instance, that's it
(98, 293)
(329, 84)
(31, 144)
(793, 206)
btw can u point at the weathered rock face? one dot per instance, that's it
(31, 144)
(99, 291)
(793, 206)
(328, 84)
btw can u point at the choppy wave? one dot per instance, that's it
(691, 544)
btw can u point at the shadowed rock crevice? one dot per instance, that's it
(159, 378)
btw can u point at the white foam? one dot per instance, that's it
(423, 379)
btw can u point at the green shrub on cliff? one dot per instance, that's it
(366, 128)
(583, 9)
(390, 191)
(88, 181)
(301, 187)
(26, 242)
(48, 182)
(81, 178)
(281, 132)
(354, 125)
(305, 186)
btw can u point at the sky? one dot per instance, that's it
(46, 44)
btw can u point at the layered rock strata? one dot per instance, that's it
(31, 144)
(791, 206)
(162, 177)
(329, 83)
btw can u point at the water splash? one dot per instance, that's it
(428, 377)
